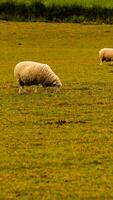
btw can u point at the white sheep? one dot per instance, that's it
(29, 73)
(106, 54)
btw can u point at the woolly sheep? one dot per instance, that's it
(106, 54)
(29, 73)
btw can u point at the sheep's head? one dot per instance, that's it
(57, 84)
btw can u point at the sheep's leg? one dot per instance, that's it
(57, 89)
(36, 89)
(20, 89)
(101, 61)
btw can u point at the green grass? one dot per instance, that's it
(56, 146)
(86, 3)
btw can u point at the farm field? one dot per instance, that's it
(56, 146)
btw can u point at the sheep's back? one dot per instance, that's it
(106, 52)
(28, 70)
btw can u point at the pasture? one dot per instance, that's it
(56, 146)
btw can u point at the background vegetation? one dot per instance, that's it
(56, 146)
(61, 11)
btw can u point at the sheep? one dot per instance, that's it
(106, 54)
(29, 73)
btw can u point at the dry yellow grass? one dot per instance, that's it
(56, 146)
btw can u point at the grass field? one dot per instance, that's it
(56, 146)
(85, 3)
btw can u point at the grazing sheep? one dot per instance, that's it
(29, 73)
(106, 54)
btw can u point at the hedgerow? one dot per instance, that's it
(37, 10)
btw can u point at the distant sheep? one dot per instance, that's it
(29, 73)
(106, 54)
